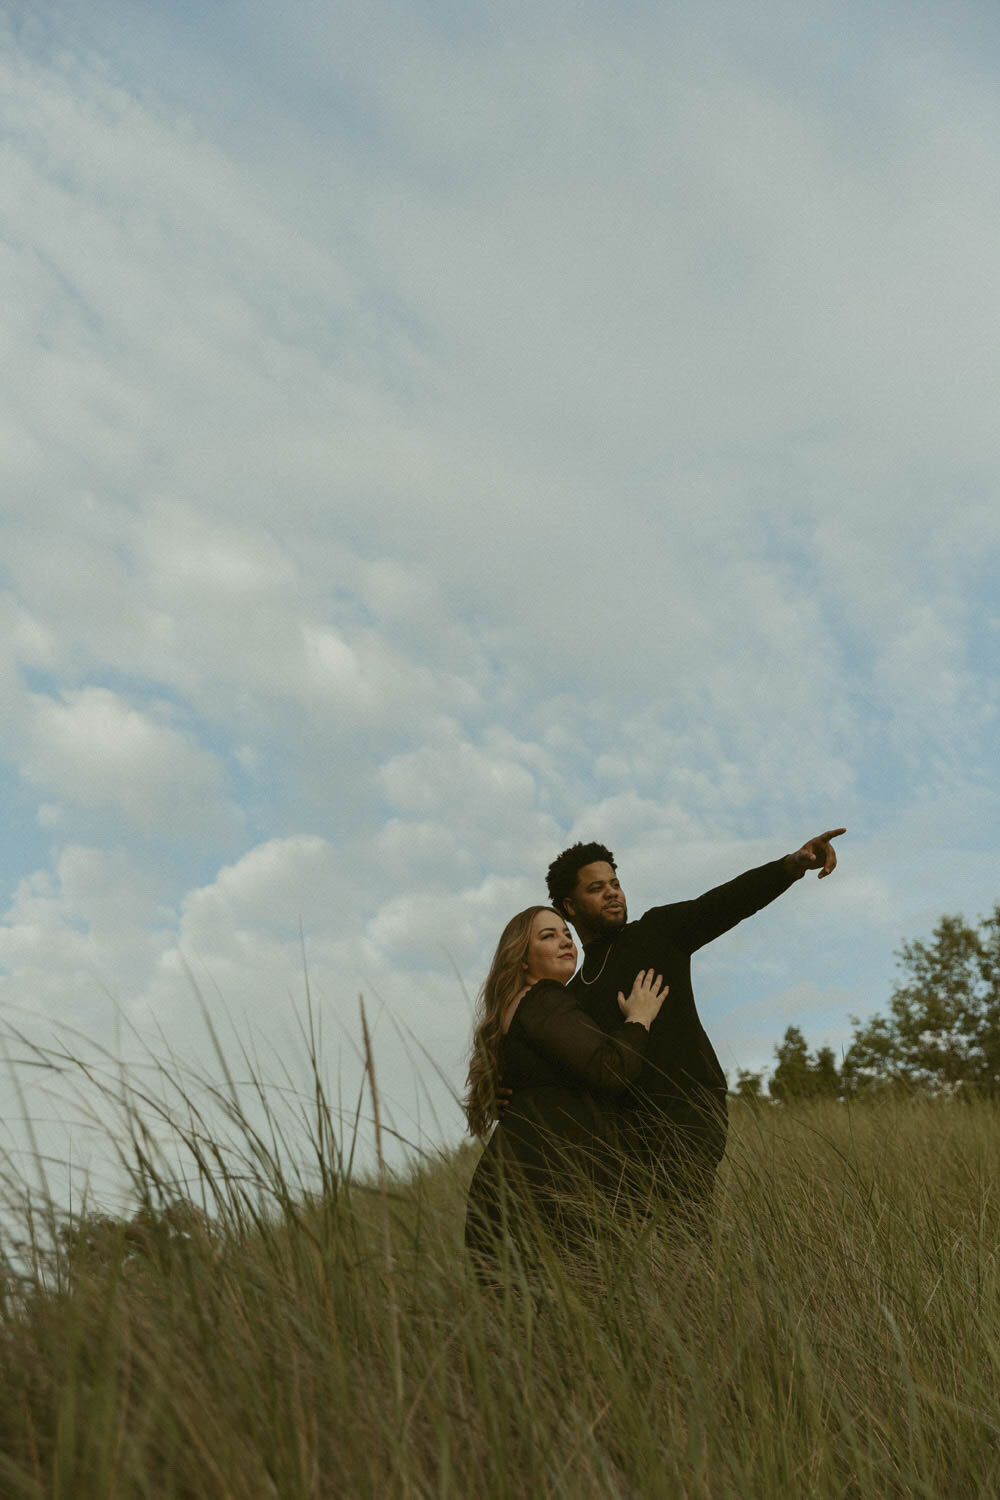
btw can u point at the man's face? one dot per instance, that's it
(597, 906)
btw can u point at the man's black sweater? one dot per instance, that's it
(677, 1110)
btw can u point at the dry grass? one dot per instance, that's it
(839, 1336)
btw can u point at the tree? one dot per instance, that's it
(826, 1079)
(942, 1033)
(790, 1079)
(749, 1086)
(799, 1076)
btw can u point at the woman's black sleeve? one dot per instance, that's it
(556, 1027)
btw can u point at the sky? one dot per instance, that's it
(431, 436)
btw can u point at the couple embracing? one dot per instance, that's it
(617, 1100)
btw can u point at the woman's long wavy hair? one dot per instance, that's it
(503, 983)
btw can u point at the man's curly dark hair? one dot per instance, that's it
(565, 868)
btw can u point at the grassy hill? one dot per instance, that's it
(840, 1335)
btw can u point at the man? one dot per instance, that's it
(674, 1122)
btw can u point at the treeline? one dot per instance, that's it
(941, 1034)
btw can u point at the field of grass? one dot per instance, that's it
(300, 1334)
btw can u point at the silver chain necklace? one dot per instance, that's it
(600, 970)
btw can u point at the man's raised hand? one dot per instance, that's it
(818, 853)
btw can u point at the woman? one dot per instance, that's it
(552, 1159)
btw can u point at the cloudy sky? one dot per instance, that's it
(431, 436)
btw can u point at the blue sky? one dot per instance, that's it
(427, 441)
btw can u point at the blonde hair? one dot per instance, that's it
(503, 983)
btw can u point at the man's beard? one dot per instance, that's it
(608, 923)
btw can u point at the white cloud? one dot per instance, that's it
(74, 944)
(437, 929)
(453, 774)
(92, 748)
(280, 884)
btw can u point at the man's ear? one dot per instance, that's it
(566, 909)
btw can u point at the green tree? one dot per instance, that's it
(942, 1032)
(826, 1079)
(749, 1086)
(800, 1076)
(791, 1078)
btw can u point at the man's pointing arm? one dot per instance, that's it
(696, 923)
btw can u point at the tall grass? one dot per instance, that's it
(264, 1324)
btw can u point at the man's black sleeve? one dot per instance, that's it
(694, 923)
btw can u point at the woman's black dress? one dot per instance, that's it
(553, 1160)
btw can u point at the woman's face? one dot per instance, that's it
(551, 949)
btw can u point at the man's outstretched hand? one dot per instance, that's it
(817, 854)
